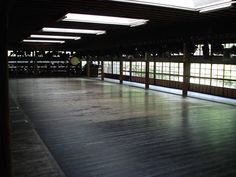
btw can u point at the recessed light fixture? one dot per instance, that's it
(55, 37)
(193, 5)
(132, 22)
(76, 31)
(43, 41)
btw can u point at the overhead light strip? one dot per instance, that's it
(194, 5)
(43, 41)
(99, 19)
(215, 7)
(75, 31)
(55, 37)
(181, 4)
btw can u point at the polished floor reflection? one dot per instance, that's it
(100, 129)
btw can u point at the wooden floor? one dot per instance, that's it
(99, 129)
(31, 158)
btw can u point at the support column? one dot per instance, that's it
(88, 68)
(154, 72)
(121, 71)
(102, 70)
(147, 70)
(186, 79)
(35, 63)
(130, 69)
(5, 152)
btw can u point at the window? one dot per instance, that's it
(205, 81)
(230, 72)
(169, 71)
(194, 80)
(166, 67)
(107, 67)
(230, 76)
(126, 68)
(116, 67)
(230, 84)
(217, 71)
(199, 50)
(158, 67)
(84, 63)
(200, 73)
(229, 45)
(138, 68)
(205, 70)
(174, 68)
(216, 75)
(151, 70)
(217, 83)
(195, 69)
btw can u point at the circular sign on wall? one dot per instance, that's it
(74, 61)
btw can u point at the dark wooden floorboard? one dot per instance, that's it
(30, 157)
(95, 129)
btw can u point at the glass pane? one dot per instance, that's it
(158, 67)
(217, 83)
(174, 78)
(166, 77)
(126, 73)
(166, 67)
(194, 80)
(134, 66)
(143, 65)
(205, 70)
(205, 81)
(151, 67)
(159, 76)
(151, 75)
(195, 69)
(230, 84)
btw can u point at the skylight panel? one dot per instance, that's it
(99, 19)
(43, 41)
(75, 31)
(55, 37)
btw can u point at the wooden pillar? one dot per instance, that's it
(5, 153)
(88, 67)
(154, 72)
(35, 63)
(69, 69)
(147, 70)
(121, 71)
(102, 70)
(186, 62)
(130, 69)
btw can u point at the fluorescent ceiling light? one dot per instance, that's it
(193, 5)
(55, 37)
(43, 41)
(76, 31)
(215, 7)
(179, 4)
(132, 22)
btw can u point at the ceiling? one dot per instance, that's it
(28, 17)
